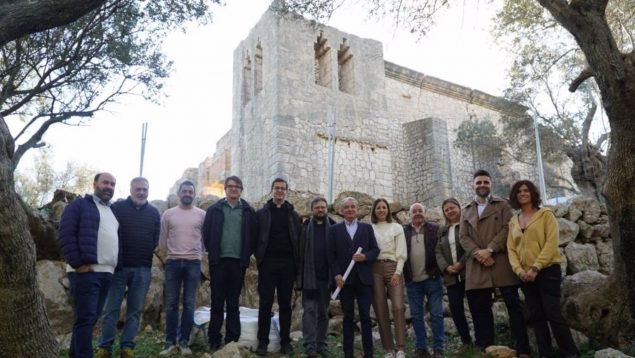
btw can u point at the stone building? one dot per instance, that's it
(394, 127)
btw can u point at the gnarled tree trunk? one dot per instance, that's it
(614, 73)
(25, 329)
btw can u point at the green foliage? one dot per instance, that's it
(71, 72)
(37, 184)
(479, 138)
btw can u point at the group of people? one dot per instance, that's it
(109, 249)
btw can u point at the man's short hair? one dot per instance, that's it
(279, 180)
(139, 179)
(481, 173)
(234, 179)
(97, 177)
(349, 198)
(317, 200)
(186, 183)
(417, 204)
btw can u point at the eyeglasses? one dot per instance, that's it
(279, 188)
(233, 186)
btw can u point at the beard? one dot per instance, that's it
(483, 192)
(186, 200)
(138, 202)
(104, 194)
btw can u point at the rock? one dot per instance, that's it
(64, 340)
(568, 231)
(396, 207)
(576, 208)
(602, 230)
(56, 206)
(402, 217)
(249, 295)
(500, 352)
(500, 313)
(450, 328)
(50, 275)
(153, 305)
(44, 233)
(335, 308)
(605, 256)
(207, 201)
(229, 350)
(560, 210)
(161, 205)
(173, 200)
(365, 202)
(301, 201)
(203, 294)
(592, 211)
(338, 219)
(588, 304)
(336, 325)
(434, 215)
(586, 230)
(610, 353)
(579, 338)
(563, 262)
(581, 257)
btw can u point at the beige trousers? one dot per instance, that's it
(382, 291)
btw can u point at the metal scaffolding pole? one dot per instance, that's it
(144, 133)
(331, 159)
(541, 173)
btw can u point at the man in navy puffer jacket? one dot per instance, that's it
(90, 243)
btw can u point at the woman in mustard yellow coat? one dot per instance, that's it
(532, 246)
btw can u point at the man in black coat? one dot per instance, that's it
(344, 240)
(279, 228)
(314, 279)
(229, 235)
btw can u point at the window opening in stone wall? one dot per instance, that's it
(258, 73)
(345, 68)
(247, 79)
(322, 65)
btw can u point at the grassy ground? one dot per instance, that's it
(149, 344)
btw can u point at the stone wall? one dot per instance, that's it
(293, 77)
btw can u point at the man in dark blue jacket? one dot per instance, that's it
(88, 238)
(139, 228)
(344, 240)
(229, 233)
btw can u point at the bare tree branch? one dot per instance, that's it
(583, 76)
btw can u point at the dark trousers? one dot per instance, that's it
(456, 295)
(89, 291)
(543, 300)
(480, 303)
(315, 319)
(363, 294)
(227, 278)
(275, 277)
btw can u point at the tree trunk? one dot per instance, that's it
(588, 170)
(25, 329)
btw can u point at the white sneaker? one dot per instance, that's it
(401, 354)
(389, 355)
(171, 349)
(185, 350)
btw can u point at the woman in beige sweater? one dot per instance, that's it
(388, 281)
(532, 246)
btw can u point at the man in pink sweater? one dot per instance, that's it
(182, 244)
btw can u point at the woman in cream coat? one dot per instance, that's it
(388, 281)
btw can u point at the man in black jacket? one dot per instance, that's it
(229, 234)
(279, 229)
(313, 279)
(139, 228)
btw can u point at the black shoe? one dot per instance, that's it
(262, 349)
(286, 348)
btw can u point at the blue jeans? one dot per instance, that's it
(137, 279)
(186, 273)
(433, 289)
(88, 291)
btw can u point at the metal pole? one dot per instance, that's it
(541, 173)
(331, 159)
(144, 133)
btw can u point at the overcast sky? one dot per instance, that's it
(184, 127)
